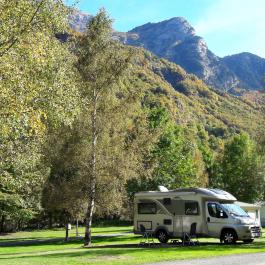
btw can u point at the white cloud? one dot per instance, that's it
(244, 19)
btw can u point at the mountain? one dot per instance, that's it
(249, 68)
(188, 98)
(159, 37)
(176, 40)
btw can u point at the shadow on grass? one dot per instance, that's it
(28, 240)
(130, 249)
(60, 241)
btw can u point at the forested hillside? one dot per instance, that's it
(88, 122)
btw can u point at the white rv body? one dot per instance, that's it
(169, 214)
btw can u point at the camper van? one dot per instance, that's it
(170, 214)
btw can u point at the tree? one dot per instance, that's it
(176, 160)
(37, 90)
(101, 64)
(63, 188)
(240, 169)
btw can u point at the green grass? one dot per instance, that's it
(48, 248)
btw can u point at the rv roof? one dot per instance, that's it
(214, 193)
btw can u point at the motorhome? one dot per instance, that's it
(170, 214)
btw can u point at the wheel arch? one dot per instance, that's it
(162, 228)
(227, 228)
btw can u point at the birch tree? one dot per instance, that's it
(102, 64)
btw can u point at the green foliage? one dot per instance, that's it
(37, 91)
(64, 185)
(157, 117)
(175, 159)
(240, 169)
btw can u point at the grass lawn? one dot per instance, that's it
(47, 247)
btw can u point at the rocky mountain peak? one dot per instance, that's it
(176, 28)
(176, 40)
(158, 37)
(182, 25)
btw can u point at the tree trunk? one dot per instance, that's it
(66, 231)
(50, 220)
(67, 224)
(2, 224)
(76, 229)
(89, 216)
(93, 179)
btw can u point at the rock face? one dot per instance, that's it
(249, 68)
(78, 20)
(176, 40)
(195, 57)
(162, 36)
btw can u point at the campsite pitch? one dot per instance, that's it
(111, 245)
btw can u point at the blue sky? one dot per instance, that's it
(228, 26)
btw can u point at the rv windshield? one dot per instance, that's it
(235, 209)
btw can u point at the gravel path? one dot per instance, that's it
(244, 259)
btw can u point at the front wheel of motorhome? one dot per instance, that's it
(162, 236)
(228, 236)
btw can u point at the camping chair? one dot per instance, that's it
(188, 237)
(147, 237)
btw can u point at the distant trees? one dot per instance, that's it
(174, 160)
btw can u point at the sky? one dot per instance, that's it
(228, 26)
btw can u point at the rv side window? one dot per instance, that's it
(191, 208)
(147, 208)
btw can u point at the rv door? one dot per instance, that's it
(216, 218)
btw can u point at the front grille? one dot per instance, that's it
(256, 231)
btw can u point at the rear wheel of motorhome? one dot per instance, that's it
(248, 241)
(162, 236)
(228, 236)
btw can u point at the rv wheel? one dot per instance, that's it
(229, 237)
(162, 236)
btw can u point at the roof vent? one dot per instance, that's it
(162, 188)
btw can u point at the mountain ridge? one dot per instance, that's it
(175, 40)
